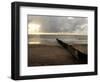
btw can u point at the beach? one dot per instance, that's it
(47, 55)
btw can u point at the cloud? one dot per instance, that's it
(52, 24)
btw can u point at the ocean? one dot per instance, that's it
(50, 39)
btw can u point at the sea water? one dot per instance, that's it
(51, 39)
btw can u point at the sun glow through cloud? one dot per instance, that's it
(33, 28)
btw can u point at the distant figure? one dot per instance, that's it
(80, 56)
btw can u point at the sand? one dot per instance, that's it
(45, 55)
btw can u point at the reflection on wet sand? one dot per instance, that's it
(44, 55)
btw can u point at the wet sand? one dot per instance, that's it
(44, 55)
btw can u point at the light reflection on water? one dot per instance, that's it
(51, 39)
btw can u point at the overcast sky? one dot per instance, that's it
(53, 24)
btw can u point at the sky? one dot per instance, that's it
(57, 24)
